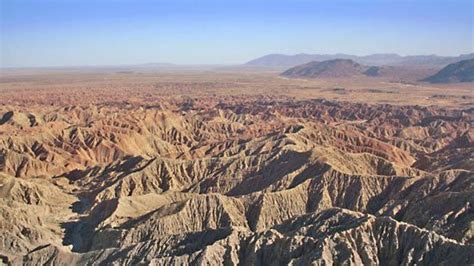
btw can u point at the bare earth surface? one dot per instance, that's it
(234, 167)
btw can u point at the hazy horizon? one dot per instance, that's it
(178, 65)
(120, 32)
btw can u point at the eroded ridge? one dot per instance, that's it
(236, 180)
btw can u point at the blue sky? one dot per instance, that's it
(106, 32)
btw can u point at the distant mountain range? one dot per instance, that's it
(286, 61)
(462, 71)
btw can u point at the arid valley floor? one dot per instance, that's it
(234, 167)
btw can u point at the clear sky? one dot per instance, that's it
(106, 32)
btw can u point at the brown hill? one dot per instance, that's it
(336, 68)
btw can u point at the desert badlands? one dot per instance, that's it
(235, 166)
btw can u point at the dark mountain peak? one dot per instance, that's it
(462, 71)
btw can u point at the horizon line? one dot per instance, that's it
(170, 64)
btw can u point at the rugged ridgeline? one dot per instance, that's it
(462, 71)
(249, 182)
(287, 61)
